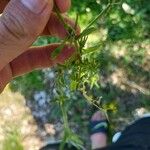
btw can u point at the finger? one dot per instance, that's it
(39, 57)
(3, 4)
(20, 24)
(35, 58)
(56, 28)
(63, 5)
(5, 77)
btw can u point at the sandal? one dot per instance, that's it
(99, 126)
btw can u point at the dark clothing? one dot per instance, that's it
(134, 137)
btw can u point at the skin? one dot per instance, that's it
(19, 28)
(98, 140)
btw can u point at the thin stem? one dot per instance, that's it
(91, 101)
(68, 28)
(76, 22)
(61, 18)
(99, 16)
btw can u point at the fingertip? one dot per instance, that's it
(56, 28)
(63, 6)
(72, 24)
(66, 53)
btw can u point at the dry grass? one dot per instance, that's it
(14, 115)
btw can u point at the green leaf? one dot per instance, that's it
(87, 32)
(92, 49)
(76, 22)
(73, 85)
(57, 51)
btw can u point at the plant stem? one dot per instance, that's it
(99, 16)
(68, 28)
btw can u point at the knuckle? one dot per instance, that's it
(18, 23)
(13, 26)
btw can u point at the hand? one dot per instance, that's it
(21, 22)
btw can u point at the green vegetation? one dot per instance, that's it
(12, 139)
(111, 69)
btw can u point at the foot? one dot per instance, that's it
(98, 140)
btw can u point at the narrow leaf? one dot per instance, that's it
(92, 49)
(57, 51)
(87, 32)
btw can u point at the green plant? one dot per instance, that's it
(79, 73)
(13, 139)
(119, 32)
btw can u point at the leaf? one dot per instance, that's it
(57, 51)
(87, 32)
(76, 22)
(73, 85)
(92, 49)
(103, 12)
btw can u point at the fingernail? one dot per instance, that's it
(36, 6)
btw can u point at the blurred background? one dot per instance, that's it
(29, 115)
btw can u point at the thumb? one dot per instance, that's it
(20, 24)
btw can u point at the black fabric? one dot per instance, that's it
(134, 137)
(56, 146)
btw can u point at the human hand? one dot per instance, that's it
(20, 24)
